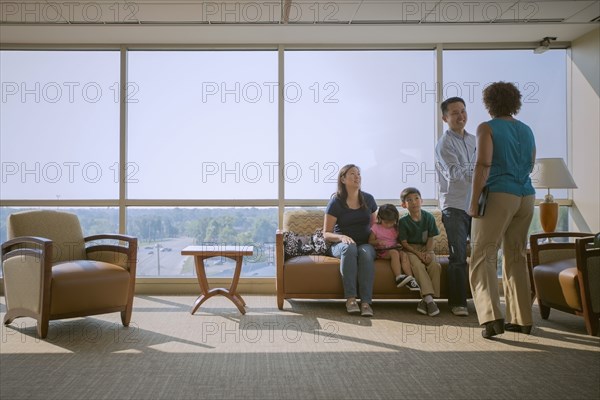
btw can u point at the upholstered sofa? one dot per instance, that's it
(318, 276)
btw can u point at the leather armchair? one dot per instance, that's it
(567, 275)
(51, 271)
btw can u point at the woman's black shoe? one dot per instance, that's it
(493, 328)
(526, 329)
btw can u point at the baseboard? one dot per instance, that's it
(189, 286)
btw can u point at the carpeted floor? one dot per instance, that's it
(311, 350)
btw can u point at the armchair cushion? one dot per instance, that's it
(62, 228)
(87, 285)
(558, 283)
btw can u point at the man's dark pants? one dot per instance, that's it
(458, 227)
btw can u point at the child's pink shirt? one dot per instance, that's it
(388, 237)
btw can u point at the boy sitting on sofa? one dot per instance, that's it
(415, 232)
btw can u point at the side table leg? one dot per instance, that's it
(202, 282)
(235, 297)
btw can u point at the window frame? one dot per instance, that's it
(123, 203)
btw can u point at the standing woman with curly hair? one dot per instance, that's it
(505, 158)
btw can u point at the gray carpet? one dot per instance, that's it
(311, 350)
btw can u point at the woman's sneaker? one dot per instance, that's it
(366, 310)
(352, 307)
(402, 280)
(413, 285)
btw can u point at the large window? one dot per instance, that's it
(357, 107)
(203, 133)
(203, 124)
(59, 125)
(163, 232)
(541, 78)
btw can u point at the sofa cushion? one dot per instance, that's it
(313, 274)
(303, 222)
(321, 275)
(440, 242)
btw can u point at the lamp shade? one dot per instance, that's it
(552, 173)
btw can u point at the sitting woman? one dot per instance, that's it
(348, 219)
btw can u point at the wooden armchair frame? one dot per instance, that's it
(583, 253)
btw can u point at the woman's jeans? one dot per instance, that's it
(357, 266)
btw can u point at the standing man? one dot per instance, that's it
(455, 158)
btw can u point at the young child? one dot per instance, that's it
(384, 237)
(416, 231)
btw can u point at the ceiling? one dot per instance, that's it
(296, 21)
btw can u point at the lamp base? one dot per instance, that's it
(548, 216)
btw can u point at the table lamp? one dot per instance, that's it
(551, 173)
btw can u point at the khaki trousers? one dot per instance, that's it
(427, 275)
(505, 223)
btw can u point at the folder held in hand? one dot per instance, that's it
(482, 201)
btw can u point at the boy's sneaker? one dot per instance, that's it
(432, 309)
(460, 311)
(422, 307)
(412, 285)
(402, 280)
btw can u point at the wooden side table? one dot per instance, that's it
(200, 254)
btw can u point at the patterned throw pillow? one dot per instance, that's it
(319, 243)
(295, 245)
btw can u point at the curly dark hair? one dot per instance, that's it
(502, 99)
